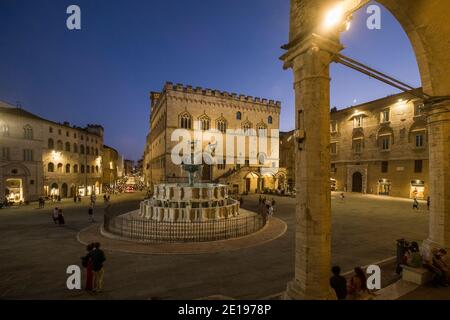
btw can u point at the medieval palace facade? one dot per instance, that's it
(182, 107)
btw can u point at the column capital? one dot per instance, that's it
(314, 42)
(437, 109)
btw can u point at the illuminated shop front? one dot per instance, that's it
(14, 190)
(384, 187)
(417, 189)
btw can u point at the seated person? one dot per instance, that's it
(413, 256)
(358, 284)
(443, 268)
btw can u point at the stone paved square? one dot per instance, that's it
(34, 253)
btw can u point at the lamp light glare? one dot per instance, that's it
(334, 16)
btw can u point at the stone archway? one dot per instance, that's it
(357, 174)
(309, 53)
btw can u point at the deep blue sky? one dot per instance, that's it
(127, 48)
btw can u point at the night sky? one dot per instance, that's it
(127, 48)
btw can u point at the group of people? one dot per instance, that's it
(266, 206)
(93, 262)
(58, 217)
(412, 257)
(355, 289)
(41, 202)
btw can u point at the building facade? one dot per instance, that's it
(110, 167)
(185, 107)
(381, 147)
(51, 159)
(21, 166)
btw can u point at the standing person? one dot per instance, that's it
(415, 204)
(260, 200)
(338, 283)
(270, 211)
(428, 202)
(55, 215)
(87, 262)
(273, 202)
(61, 220)
(59, 198)
(98, 258)
(79, 198)
(75, 198)
(91, 213)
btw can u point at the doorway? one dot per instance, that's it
(357, 182)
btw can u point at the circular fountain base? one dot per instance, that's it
(132, 226)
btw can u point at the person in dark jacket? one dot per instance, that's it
(61, 220)
(98, 258)
(87, 263)
(338, 283)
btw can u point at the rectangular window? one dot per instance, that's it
(333, 148)
(386, 143)
(5, 153)
(5, 130)
(418, 106)
(420, 140)
(357, 145)
(384, 166)
(385, 116)
(333, 126)
(50, 129)
(27, 155)
(418, 164)
(358, 122)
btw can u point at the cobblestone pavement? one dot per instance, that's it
(34, 253)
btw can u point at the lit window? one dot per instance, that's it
(358, 122)
(385, 116)
(333, 126)
(386, 143)
(5, 130)
(418, 108)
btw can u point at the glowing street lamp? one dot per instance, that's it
(340, 15)
(334, 16)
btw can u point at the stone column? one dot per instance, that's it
(310, 61)
(438, 118)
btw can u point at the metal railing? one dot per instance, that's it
(142, 230)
